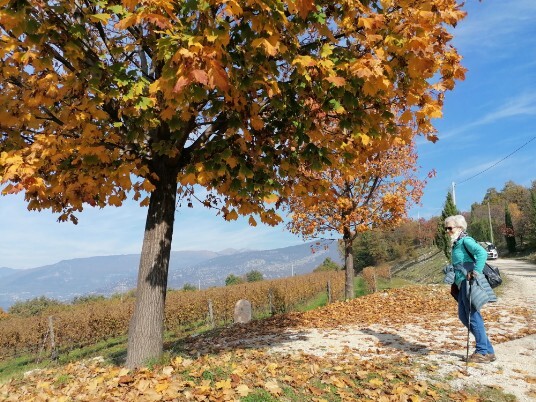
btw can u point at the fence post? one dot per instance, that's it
(210, 314)
(53, 351)
(329, 291)
(271, 301)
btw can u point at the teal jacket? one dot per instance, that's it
(460, 257)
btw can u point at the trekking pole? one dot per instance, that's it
(468, 325)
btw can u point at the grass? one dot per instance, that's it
(113, 350)
(492, 394)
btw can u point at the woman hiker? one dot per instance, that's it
(468, 259)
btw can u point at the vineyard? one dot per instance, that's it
(74, 326)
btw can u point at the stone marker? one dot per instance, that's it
(242, 311)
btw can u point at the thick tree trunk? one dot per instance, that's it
(146, 331)
(348, 267)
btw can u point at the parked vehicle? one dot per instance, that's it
(491, 249)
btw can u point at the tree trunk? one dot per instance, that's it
(348, 267)
(146, 330)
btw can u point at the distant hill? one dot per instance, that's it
(106, 275)
(6, 271)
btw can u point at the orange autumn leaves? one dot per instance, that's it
(237, 95)
(228, 376)
(371, 193)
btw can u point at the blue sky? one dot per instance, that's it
(487, 117)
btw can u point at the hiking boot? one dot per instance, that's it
(491, 357)
(478, 358)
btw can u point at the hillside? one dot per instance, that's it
(426, 267)
(106, 275)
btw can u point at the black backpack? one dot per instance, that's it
(492, 274)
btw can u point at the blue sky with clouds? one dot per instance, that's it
(487, 117)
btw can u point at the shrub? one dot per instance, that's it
(233, 280)
(188, 287)
(87, 299)
(328, 265)
(33, 307)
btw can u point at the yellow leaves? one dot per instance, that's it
(270, 199)
(433, 111)
(365, 22)
(406, 117)
(257, 123)
(129, 4)
(304, 61)
(420, 67)
(301, 7)
(243, 390)
(364, 138)
(273, 387)
(267, 44)
(232, 8)
(375, 84)
(376, 382)
(223, 384)
(336, 81)
(100, 18)
(231, 216)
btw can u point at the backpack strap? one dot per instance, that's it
(468, 252)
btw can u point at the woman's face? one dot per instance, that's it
(453, 231)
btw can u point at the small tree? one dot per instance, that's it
(375, 193)
(509, 233)
(33, 306)
(327, 265)
(442, 238)
(188, 287)
(87, 299)
(254, 276)
(233, 280)
(532, 220)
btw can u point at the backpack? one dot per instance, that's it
(492, 274)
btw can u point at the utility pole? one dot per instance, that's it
(490, 227)
(454, 193)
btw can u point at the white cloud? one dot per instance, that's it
(520, 106)
(493, 24)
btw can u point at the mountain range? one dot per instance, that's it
(106, 275)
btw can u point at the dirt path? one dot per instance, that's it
(439, 345)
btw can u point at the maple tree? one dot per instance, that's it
(154, 99)
(375, 193)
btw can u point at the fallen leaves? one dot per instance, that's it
(230, 374)
(304, 375)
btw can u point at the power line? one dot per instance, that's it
(496, 163)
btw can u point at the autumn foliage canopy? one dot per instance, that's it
(93, 93)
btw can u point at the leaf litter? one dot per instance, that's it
(396, 345)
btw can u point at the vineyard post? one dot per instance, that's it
(329, 291)
(210, 314)
(271, 301)
(53, 351)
